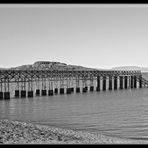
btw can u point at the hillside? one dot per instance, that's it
(48, 65)
(127, 68)
(143, 69)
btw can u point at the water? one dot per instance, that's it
(121, 113)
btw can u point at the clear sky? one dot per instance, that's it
(91, 35)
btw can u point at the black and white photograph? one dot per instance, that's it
(73, 74)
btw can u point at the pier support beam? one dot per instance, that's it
(1, 95)
(77, 84)
(61, 90)
(84, 90)
(98, 83)
(121, 82)
(72, 89)
(56, 90)
(140, 81)
(23, 93)
(37, 92)
(77, 89)
(30, 94)
(115, 83)
(17, 93)
(6, 95)
(135, 81)
(131, 82)
(110, 82)
(68, 90)
(30, 87)
(50, 92)
(125, 82)
(104, 83)
(91, 88)
(23, 87)
(44, 92)
(84, 85)
(1, 89)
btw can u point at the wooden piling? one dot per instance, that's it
(44, 92)
(17, 93)
(125, 82)
(30, 94)
(37, 92)
(98, 83)
(115, 83)
(84, 90)
(61, 90)
(56, 90)
(91, 88)
(1, 95)
(131, 82)
(6, 95)
(23, 93)
(77, 89)
(135, 81)
(68, 90)
(140, 81)
(72, 89)
(50, 92)
(121, 82)
(104, 83)
(110, 82)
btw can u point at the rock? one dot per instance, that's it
(14, 132)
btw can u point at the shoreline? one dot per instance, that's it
(16, 132)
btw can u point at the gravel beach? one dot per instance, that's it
(14, 132)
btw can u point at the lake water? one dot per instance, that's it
(121, 113)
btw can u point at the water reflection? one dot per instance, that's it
(117, 113)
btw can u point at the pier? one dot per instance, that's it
(30, 83)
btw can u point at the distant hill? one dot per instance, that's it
(127, 68)
(143, 69)
(48, 65)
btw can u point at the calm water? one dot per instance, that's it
(121, 113)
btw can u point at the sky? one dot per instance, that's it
(90, 35)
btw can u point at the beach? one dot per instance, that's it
(15, 132)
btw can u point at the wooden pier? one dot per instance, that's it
(30, 83)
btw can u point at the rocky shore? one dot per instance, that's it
(14, 132)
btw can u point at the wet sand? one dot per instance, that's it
(14, 132)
